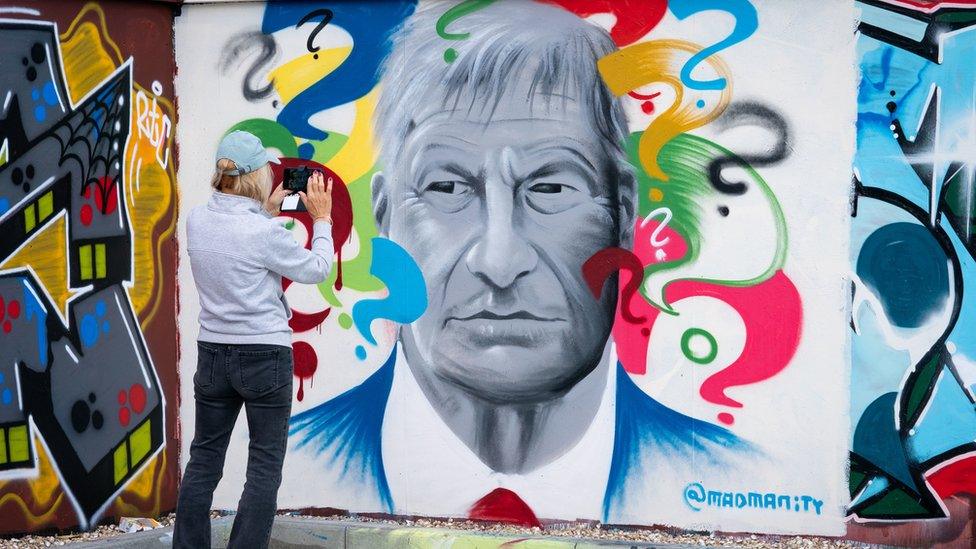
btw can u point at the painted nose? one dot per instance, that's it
(502, 254)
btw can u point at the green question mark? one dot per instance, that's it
(452, 15)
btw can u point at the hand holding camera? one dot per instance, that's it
(317, 197)
(307, 183)
(273, 203)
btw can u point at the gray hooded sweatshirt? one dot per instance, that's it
(238, 254)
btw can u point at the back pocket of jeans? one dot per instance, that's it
(259, 370)
(206, 360)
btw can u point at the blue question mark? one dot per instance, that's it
(407, 298)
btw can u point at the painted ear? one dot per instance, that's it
(381, 203)
(627, 189)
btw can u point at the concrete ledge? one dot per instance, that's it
(301, 533)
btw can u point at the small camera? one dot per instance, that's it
(296, 179)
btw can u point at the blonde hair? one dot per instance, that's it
(256, 184)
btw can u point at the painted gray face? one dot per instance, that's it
(500, 215)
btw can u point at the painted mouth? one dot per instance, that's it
(516, 328)
(516, 315)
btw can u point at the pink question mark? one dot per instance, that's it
(772, 313)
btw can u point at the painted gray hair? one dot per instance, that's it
(510, 40)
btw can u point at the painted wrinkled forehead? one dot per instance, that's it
(521, 58)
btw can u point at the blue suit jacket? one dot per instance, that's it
(346, 431)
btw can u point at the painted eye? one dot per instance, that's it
(448, 187)
(547, 188)
(551, 198)
(448, 196)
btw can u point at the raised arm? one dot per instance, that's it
(291, 260)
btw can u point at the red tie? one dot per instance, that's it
(502, 505)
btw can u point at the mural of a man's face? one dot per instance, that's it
(500, 213)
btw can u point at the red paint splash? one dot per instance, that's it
(632, 339)
(648, 101)
(303, 322)
(598, 268)
(503, 505)
(306, 363)
(635, 18)
(338, 282)
(305, 358)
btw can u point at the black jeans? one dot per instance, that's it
(259, 377)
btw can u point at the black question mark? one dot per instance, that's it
(241, 45)
(326, 17)
(749, 113)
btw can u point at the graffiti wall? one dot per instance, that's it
(592, 257)
(87, 263)
(913, 421)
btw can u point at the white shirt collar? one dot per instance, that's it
(430, 471)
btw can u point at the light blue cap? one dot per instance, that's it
(246, 150)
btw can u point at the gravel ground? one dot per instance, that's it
(564, 530)
(102, 532)
(577, 530)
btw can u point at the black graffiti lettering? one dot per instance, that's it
(71, 375)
